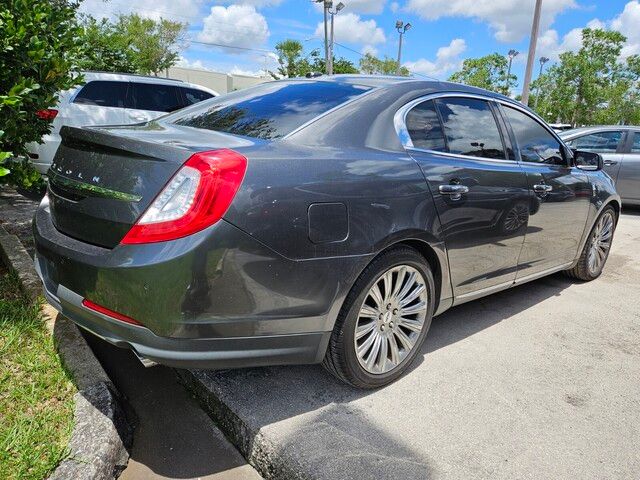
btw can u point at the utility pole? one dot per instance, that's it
(542, 61)
(333, 13)
(402, 28)
(532, 52)
(326, 4)
(512, 54)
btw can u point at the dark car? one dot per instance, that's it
(313, 220)
(619, 146)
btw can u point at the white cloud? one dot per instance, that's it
(394, 7)
(195, 64)
(628, 23)
(447, 60)
(369, 49)
(349, 28)
(235, 25)
(254, 3)
(185, 11)
(246, 72)
(510, 19)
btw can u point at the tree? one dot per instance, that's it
(372, 65)
(293, 63)
(105, 49)
(39, 50)
(592, 85)
(488, 72)
(153, 46)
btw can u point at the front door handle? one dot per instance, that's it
(454, 192)
(542, 188)
(609, 163)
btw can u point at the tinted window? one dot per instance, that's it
(601, 142)
(536, 143)
(424, 127)
(155, 97)
(103, 94)
(470, 128)
(191, 95)
(270, 110)
(635, 147)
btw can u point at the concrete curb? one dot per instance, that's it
(101, 437)
(269, 460)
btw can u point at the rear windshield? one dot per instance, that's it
(268, 111)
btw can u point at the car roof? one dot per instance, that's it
(131, 77)
(574, 132)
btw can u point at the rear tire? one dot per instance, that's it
(390, 305)
(596, 250)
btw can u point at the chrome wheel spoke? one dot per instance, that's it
(391, 319)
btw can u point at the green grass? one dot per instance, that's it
(36, 393)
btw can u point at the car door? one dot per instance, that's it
(99, 102)
(608, 143)
(148, 101)
(628, 182)
(479, 190)
(560, 192)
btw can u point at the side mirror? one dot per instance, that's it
(588, 160)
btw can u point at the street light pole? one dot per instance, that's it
(402, 28)
(532, 52)
(512, 54)
(542, 61)
(333, 13)
(326, 4)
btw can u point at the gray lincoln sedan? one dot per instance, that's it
(321, 220)
(619, 145)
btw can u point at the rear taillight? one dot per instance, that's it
(196, 197)
(109, 313)
(47, 114)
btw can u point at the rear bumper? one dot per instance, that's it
(44, 152)
(190, 353)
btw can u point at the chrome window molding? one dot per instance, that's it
(399, 121)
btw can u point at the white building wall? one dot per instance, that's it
(220, 82)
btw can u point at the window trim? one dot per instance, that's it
(399, 121)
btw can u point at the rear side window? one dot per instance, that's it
(103, 94)
(192, 95)
(635, 146)
(424, 127)
(155, 97)
(600, 142)
(271, 110)
(536, 144)
(470, 128)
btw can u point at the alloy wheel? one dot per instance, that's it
(601, 239)
(391, 319)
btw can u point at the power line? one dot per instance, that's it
(261, 50)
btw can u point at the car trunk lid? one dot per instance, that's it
(103, 179)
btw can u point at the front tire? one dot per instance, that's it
(596, 250)
(384, 320)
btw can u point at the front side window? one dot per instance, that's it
(599, 142)
(470, 128)
(155, 97)
(103, 94)
(536, 144)
(270, 110)
(424, 127)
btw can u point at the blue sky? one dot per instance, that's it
(444, 32)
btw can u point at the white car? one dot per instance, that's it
(112, 99)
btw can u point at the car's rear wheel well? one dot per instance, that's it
(429, 254)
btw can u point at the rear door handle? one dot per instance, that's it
(454, 192)
(542, 188)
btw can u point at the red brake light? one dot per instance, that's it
(196, 197)
(110, 313)
(47, 114)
